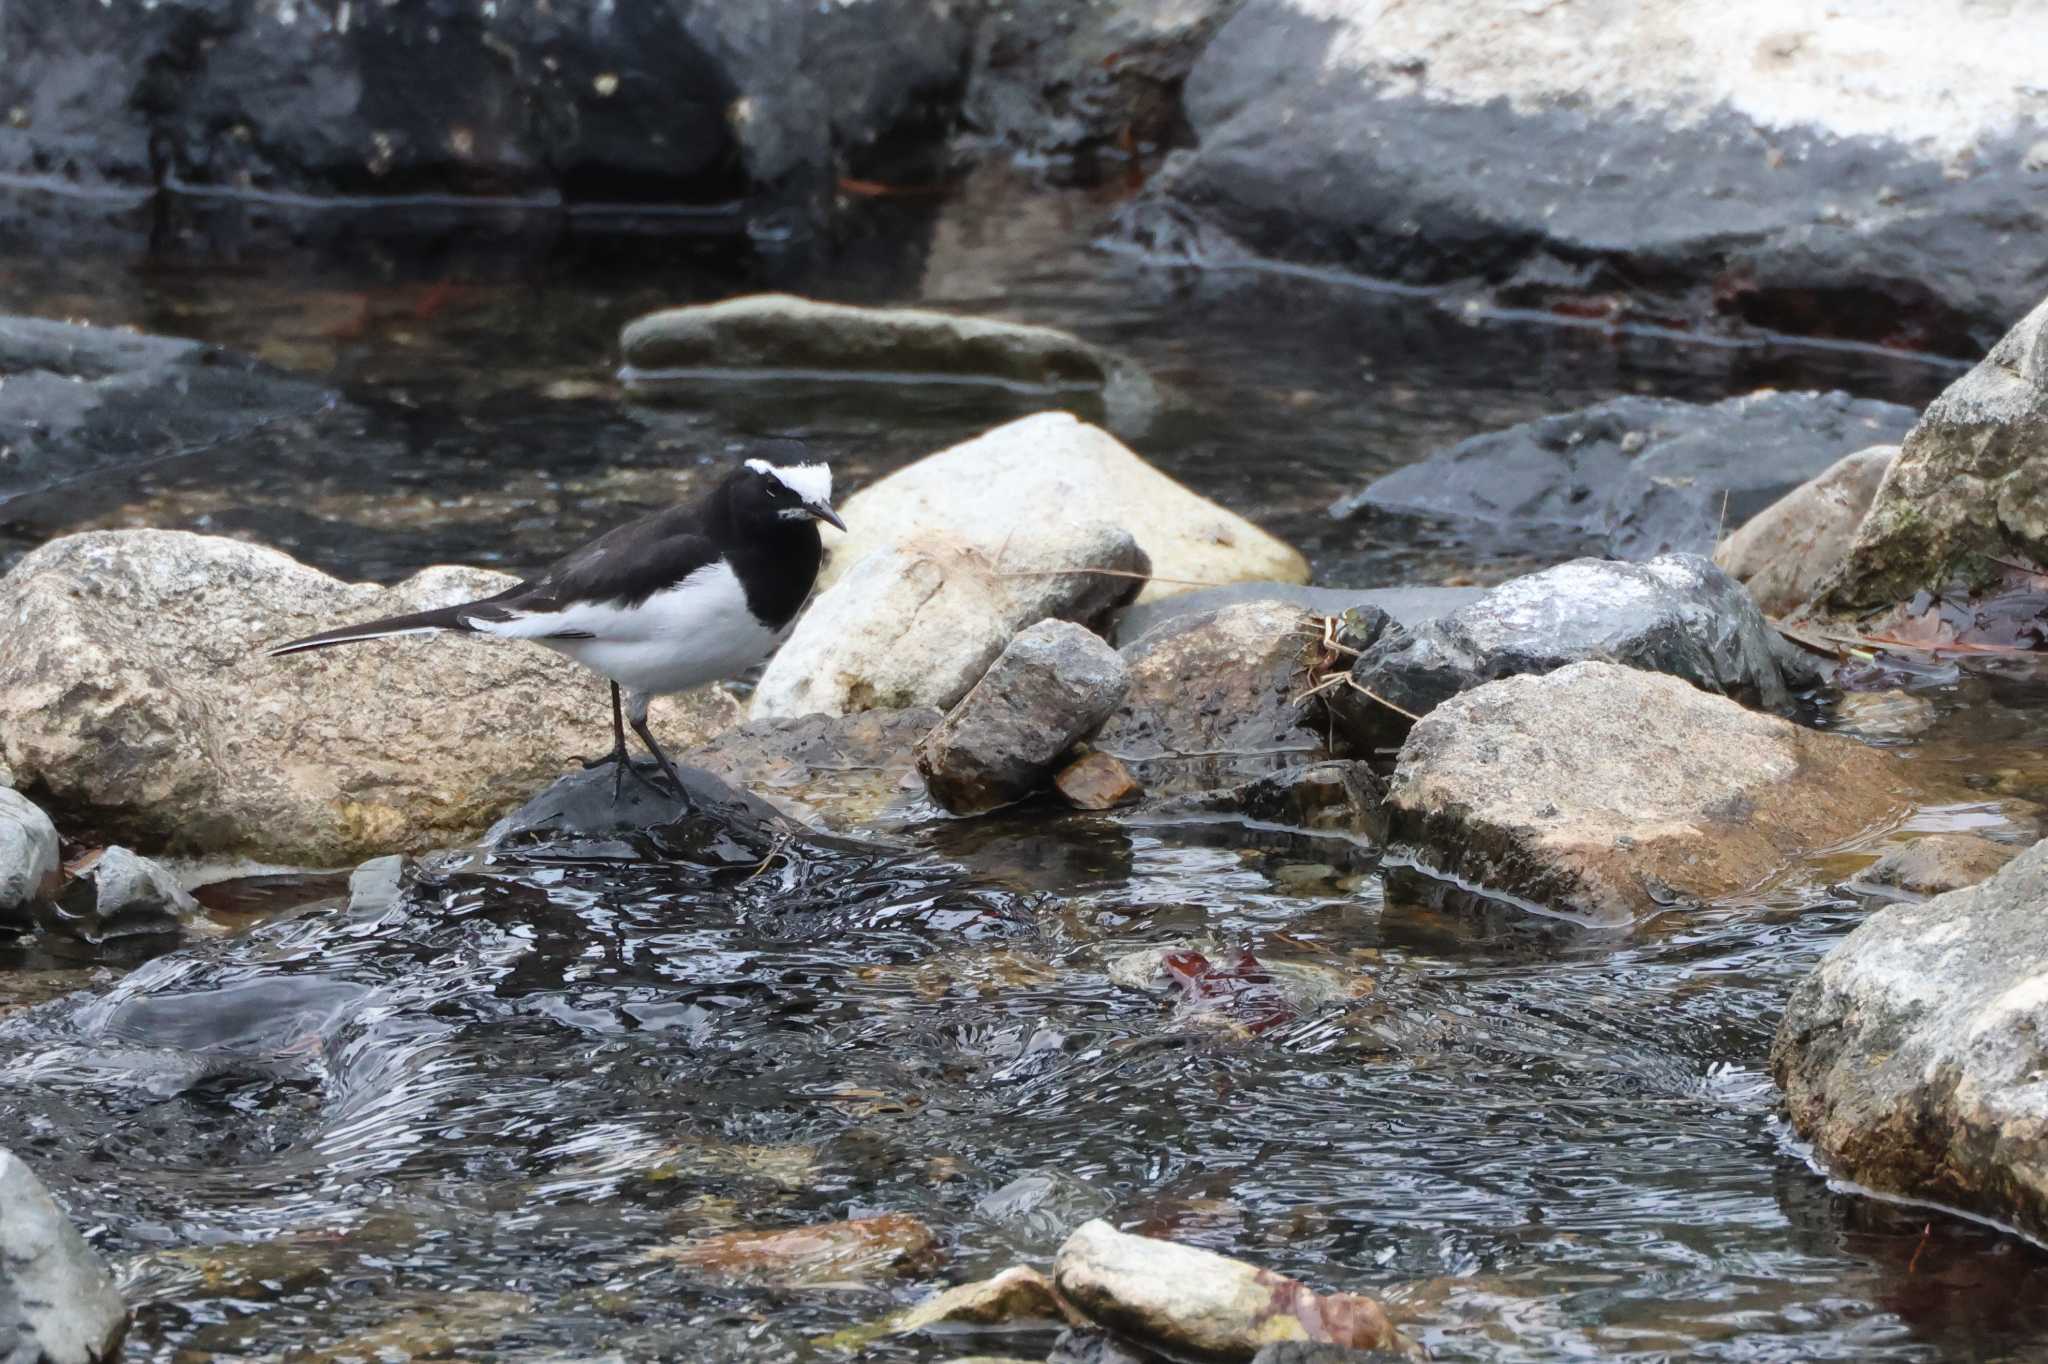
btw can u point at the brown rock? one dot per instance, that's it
(837, 771)
(135, 696)
(1787, 550)
(834, 1252)
(1018, 1294)
(1204, 1304)
(1096, 781)
(1939, 863)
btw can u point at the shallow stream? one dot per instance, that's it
(458, 1115)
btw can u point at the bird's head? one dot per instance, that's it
(784, 492)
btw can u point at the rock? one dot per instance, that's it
(832, 1252)
(1294, 1352)
(1784, 553)
(77, 401)
(1407, 606)
(1066, 473)
(1970, 481)
(57, 1301)
(1203, 1303)
(836, 771)
(1334, 796)
(524, 108)
(1603, 793)
(1056, 77)
(803, 337)
(1911, 1057)
(1677, 614)
(1054, 683)
(1212, 700)
(919, 623)
(1214, 985)
(1877, 715)
(1737, 162)
(1938, 863)
(30, 862)
(1017, 1295)
(1096, 781)
(1637, 477)
(581, 805)
(122, 895)
(139, 702)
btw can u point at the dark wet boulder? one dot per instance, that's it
(1409, 606)
(1604, 793)
(535, 106)
(76, 401)
(1789, 549)
(122, 895)
(29, 861)
(1677, 614)
(1053, 684)
(1637, 477)
(1912, 1056)
(57, 1301)
(1872, 181)
(1213, 700)
(581, 805)
(1969, 487)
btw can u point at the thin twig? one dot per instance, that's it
(1372, 695)
(775, 850)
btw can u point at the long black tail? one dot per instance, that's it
(418, 623)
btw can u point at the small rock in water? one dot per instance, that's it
(1018, 1295)
(832, 1252)
(1407, 606)
(30, 863)
(1604, 792)
(1053, 684)
(1059, 470)
(1912, 1056)
(1337, 796)
(122, 895)
(57, 1301)
(582, 804)
(1229, 987)
(1096, 781)
(1205, 1304)
(917, 624)
(1938, 863)
(1212, 700)
(1794, 545)
(839, 771)
(1677, 614)
(1884, 714)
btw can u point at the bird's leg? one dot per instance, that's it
(637, 713)
(620, 755)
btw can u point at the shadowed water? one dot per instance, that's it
(455, 1115)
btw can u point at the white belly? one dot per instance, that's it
(683, 637)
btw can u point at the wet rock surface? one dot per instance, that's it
(577, 102)
(1637, 477)
(780, 332)
(839, 772)
(139, 704)
(1054, 683)
(1068, 473)
(76, 401)
(1678, 615)
(1858, 185)
(1096, 781)
(29, 861)
(1938, 863)
(1607, 793)
(1337, 796)
(1407, 606)
(124, 895)
(919, 623)
(834, 1252)
(1199, 1302)
(1970, 483)
(57, 1301)
(1788, 550)
(1212, 700)
(1911, 1056)
(1019, 1294)
(588, 804)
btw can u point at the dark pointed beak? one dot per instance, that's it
(825, 514)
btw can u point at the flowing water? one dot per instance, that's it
(457, 1115)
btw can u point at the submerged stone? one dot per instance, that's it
(122, 895)
(831, 1252)
(1937, 863)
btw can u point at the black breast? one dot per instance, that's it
(777, 570)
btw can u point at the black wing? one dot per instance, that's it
(626, 565)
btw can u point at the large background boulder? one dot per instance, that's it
(1970, 482)
(1912, 1057)
(1874, 177)
(1052, 470)
(1605, 792)
(135, 698)
(1637, 477)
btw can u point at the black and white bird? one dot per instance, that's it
(663, 604)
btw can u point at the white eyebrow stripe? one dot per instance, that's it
(811, 482)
